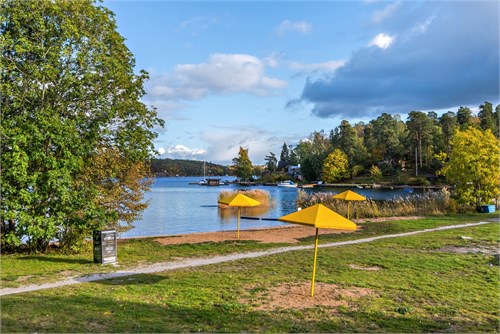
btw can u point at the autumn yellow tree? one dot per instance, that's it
(335, 166)
(473, 166)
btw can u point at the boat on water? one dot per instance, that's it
(287, 184)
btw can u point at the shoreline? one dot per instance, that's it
(290, 233)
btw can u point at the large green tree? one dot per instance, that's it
(487, 117)
(243, 165)
(75, 134)
(422, 132)
(473, 167)
(313, 152)
(345, 138)
(271, 162)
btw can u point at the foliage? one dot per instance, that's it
(375, 173)
(335, 166)
(384, 137)
(243, 165)
(70, 98)
(284, 157)
(473, 168)
(271, 162)
(345, 138)
(487, 118)
(422, 132)
(181, 167)
(312, 153)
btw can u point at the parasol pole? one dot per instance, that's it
(314, 263)
(348, 205)
(239, 208)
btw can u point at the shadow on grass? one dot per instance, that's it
(132, 279)
(55, 259)
(160, 311)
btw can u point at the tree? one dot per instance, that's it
(473, 166)
(271, 162)
(284, 157)
(313, 152)
(422, 131)
(335, 166)
(243, 165)
(384, 138)
(464, 117)
(449, 124)
(345, 138)
(70, 98)
(487, 117)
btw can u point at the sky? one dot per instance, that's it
(258, 74)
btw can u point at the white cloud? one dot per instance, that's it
(301, 27)
(382, 40)
(181, 152)
(224, 145)
(221, 74)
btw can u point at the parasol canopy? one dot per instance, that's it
(349, 195)
(239, 200)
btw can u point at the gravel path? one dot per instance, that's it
(197, 262)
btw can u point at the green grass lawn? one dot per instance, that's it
(421, 286)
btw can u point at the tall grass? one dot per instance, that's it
(226, 212)
(432, 203)
(262, 196)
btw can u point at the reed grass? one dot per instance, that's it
(432, 203)
(262, 196)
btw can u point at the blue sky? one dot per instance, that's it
(258, 74)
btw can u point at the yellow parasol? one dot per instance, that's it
(318, 216)
(239, 200)
(349, 196)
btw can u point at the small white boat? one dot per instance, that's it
(287, 184)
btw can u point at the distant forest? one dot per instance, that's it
(178, 167)
(421, 144)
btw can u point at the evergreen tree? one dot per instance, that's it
(271, 162)
(243, 165)
(284, 157)
(487, 117)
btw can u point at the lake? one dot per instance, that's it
(177, 207)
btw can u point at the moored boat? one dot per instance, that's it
(287, 184)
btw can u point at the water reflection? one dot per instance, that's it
(178, 208)
(227, 213)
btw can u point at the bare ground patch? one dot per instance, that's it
(469, 250)
(373, 268)
(281, 234)
(297, 296)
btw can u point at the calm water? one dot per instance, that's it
(177, 207)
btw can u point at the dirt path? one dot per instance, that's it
(197, 262)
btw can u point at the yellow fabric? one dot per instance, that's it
(319, 216)
(240, 200)
(349, 195)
